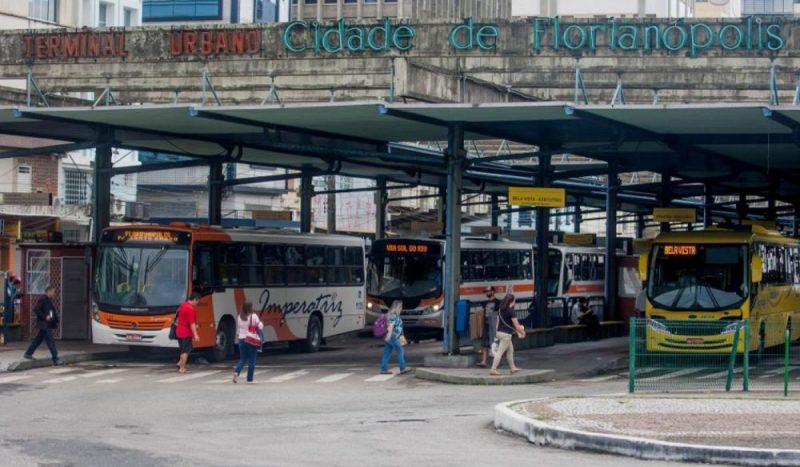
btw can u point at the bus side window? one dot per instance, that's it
(501, 262)
(354, 259)
(275, 271)
(203, 268)
(487, 258)
(601, 267)
(230, 264)
(526, 264)
(251, 272)
(466, 267)
(476, 263)
(514, 266)
(334, 265)
(295, 264)
(315, 257)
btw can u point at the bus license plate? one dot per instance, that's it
(694, 340)
(133, 337)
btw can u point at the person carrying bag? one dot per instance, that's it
(507, 326)
(249, 330)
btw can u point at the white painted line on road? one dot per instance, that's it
(719, 374)
(599, 379)
(63, 379)
(379, 378)
(778, 371)
(11, 379)
(58, 371)
(675, 374)
(287, 376)
(188, 377)
(242, 378)
(108, 381)
(334, 377)
(95, 374)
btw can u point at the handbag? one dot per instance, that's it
(173, 336)
(495, 347)
(252, 337)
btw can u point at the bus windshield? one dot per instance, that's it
(152, 276)
(553, 271)
(698, 277)
(401, 276)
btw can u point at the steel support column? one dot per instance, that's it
(578, 218)
(610, 291)
(495, 215)
(331, 205)
(640, 225)
(381, 203)
(708, 201)
(771, 212)
(216, 181)
(664, 198)
(306, 193)
(540, 262)
(101, 192)
(455, 164)
(795, 220)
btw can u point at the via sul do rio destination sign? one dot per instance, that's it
(537, 197)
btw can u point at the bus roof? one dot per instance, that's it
(746, 234)
(466, 242)
(207, 232)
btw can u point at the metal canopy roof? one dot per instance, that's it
(733, 148)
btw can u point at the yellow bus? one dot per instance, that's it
(720, 276)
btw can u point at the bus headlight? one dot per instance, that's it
(657, 326)
(369, 305)
(95, 312)
(435, 308)
(731, 328)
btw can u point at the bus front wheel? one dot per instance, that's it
(223, 344)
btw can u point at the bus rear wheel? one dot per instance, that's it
(223, 344)
(313, 339)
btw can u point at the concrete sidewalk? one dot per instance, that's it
(753, 429)
(12, 354)
(543, 364)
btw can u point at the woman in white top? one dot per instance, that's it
(247, 352)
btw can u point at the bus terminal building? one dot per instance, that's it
(710, 105)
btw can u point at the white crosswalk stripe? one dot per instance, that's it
(188, 377)
(287, 376)
(58, 371)
(599, 379)
(242, 377)
(11, 379)
(675, 374)
(108, 381)
(379, 378)
(95, 374)
(63, 379)
(334, 377)
(719, 374)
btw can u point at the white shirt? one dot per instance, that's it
(242, 325)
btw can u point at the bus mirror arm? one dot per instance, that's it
(756, 265)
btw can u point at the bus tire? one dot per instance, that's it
(223, 344)
(313, 339)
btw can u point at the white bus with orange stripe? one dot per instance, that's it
(305, 287)
(412, 270)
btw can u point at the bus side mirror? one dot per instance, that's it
(643, 262)
(756, 266)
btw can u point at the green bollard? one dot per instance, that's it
(632, 355)
(732, 359)
(746, 357)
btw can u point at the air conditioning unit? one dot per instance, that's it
(137, 211)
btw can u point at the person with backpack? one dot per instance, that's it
(248, 327)
(507, 326)
(393, 338)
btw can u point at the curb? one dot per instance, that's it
(22, 365)
(542, 434)
(524, 377)
(613, 366)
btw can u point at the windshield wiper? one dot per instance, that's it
(710, 293)
(149, 266)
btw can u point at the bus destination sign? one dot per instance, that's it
(407, 248)
(680, 250)
(155, 236)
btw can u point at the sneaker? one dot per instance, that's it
(386, 372)
(58, 362)
(406, 370)
(235, 378)
(29, 357)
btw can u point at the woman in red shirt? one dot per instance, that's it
(186, 329)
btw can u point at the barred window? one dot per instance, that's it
(75, 183)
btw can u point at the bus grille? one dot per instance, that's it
(146, 326)
(694, 328)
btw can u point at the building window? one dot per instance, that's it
(75, 182)
(127, 17)
(38, 272)
(43, 9)
(266, 11)
(102, 16)
(171, 10)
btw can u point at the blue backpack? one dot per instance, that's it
(381, 326)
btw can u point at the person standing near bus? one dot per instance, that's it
(247, 352)
(186, 330)
(46, 320)
(394, 340)
(490, 308)
(507, 326)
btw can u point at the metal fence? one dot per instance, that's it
(723, 355)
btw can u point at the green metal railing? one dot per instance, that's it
(664, 355)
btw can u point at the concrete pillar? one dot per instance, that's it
(215, 188)
(542, 233)
(495, 215)
(101, 192)
(306, 194)
(380, 208)
(340, 9)
(380, 9)
(452, 270)
(319, 11)
(301, 5)
(611, 242)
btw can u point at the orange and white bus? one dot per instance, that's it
(412, 270)
(305, 287)
(573, 272)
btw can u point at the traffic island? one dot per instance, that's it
(739, 431)
(481, 377)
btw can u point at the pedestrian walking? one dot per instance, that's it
(10, 294)
(46, 320)
(507, 326)
(490, 325)
(186, 329)
(248, 326)
(394, 340)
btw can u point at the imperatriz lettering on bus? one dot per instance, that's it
(327, 304)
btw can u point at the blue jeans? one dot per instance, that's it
(393, 344)
(247, 353)
(47, 336)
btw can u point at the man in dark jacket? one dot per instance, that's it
(46, 321)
